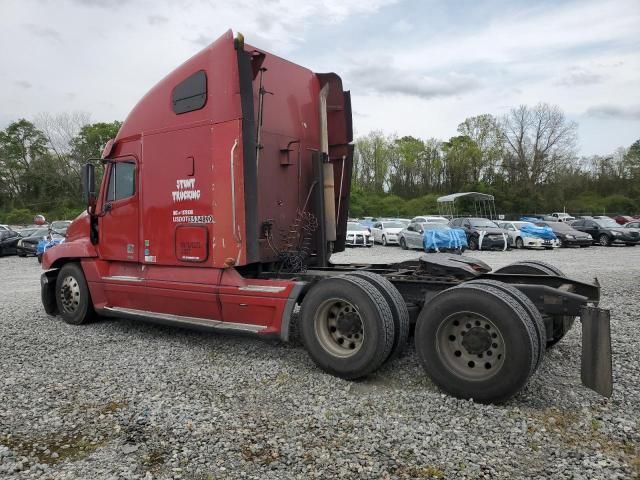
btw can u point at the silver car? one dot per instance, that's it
(413, 235)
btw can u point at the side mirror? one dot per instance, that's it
(88, 180)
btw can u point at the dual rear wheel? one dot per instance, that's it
(482, 339)
(352, 324)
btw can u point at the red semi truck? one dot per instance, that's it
(224, 195)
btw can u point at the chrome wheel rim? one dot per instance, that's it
(339, 327)
(471, 346)
(604, 240)
(70, 294)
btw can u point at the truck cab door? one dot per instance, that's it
(118, 226)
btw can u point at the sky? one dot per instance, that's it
(414, 67)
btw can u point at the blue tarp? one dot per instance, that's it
(537, 232)
(443, 239)
(47, 244)
(530, 219)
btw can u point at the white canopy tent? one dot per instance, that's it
(483, 204)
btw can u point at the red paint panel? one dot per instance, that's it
(192, 243)
(154, 111)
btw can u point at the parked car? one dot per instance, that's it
(567, 235)
(562, 216)
(623, 219)
(633, 224)
(430, 219)
(606, 232)
(27, 245)
(528, 235)
(482, 233)
(60, 226)
(8, 241)
(358, 235)
(5, 228)
(368, 222)
(386, 232)
(411, 236)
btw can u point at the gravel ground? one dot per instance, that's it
(120, 399)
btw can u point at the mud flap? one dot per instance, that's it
(596, 371)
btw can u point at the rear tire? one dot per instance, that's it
(399, 311)
(344, 311)
(527, 304)
(460, 363)
(561, 323)
(72, 295)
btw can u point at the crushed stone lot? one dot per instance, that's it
(124, 399)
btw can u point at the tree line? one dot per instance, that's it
(40, 164)
(528, 160)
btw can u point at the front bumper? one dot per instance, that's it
(392, 238)
(577, 241)
(533, 242)
(359, 240)
(628, 239)
(26, 249)
(491, 243)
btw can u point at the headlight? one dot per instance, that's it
(616, 233)
(589, 236)
(569, 236)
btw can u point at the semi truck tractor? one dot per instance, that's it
(225, 194)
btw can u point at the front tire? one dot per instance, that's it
(604, 240)
(473, 243)
(346, 326)
(384, 241)
(519, 243)
(403, 244)
(72, 295)
(477, 342)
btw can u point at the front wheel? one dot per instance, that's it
(72, 295)
(403, 244)
(519, 243)
(384, 241)
(473, 243)
(604, 240)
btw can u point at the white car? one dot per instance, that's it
(358, 235)
(386, 232)
(430, 219)
(562, 216)
(520, 240)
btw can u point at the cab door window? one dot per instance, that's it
(121, 181)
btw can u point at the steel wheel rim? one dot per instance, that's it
(70, 294)
(339, 327)
(477, 357)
